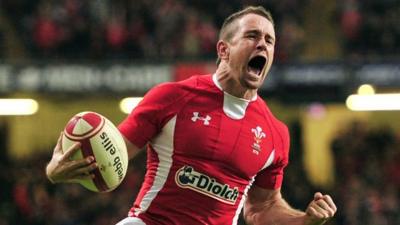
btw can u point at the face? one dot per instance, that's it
(250, 52)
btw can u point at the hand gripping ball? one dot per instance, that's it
(101, 139)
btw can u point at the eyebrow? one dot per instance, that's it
(258, 32)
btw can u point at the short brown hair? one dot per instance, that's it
(226, 33)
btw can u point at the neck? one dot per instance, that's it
(234, 87)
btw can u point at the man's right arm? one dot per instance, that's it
(133, 150)
(140, 126)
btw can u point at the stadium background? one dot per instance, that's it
(76, 55)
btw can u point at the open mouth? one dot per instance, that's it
(256, 64)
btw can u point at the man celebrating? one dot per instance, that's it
(213, 146)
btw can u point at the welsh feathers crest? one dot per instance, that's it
(258, 136)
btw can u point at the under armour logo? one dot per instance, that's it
(206, 120)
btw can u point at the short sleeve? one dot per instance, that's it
(272, 176)
(146, 119)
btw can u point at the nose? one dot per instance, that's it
(261, 45)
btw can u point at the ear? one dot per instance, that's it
(223, 50)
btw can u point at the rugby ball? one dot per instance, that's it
(101, 139)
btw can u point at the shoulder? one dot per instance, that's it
(194, 82)
(172, 92)
(275, 122)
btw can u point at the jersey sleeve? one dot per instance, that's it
(272, 176)
(148, 117)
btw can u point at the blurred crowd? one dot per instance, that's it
(134, 29)
(367, 168)
(370, 28)
(139, 29)
(27, 197)
(366, 188)
(183, 29)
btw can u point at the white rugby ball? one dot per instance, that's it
(101, 139)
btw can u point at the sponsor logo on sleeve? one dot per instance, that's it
(187, 177)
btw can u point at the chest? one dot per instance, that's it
(205, 133)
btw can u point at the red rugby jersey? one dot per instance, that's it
(205, 149)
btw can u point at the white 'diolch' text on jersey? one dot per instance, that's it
(187, 177)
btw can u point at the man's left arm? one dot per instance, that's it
(267, 207)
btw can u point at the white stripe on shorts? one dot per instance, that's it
(131, 221)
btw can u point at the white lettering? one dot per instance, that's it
(187, 177)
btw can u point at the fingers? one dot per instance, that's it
(76, 164)
(58, 148)
(317, 195)
(313, 212)
(330, 202)
(62, 168)
(72, 171)
(322, 207)
(83, 173)
(71, 150)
